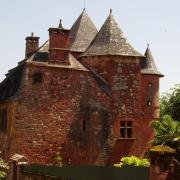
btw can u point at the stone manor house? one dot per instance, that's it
(85, 94)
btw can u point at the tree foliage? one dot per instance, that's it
(167, 132)
(170, 103)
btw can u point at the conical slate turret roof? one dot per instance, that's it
(82, 33)
(148, 65)
(110, 41)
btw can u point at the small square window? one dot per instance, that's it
(37, 78)
(126, 128)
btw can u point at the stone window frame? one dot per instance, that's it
(37, 78)
(3, 119)
(126, 129)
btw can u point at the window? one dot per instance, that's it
(84, 125)
(126, 129)
(150, 84)
(37, 78)
(3, 120)
(149, 103)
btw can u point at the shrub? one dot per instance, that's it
(3, 169)
(132, 161)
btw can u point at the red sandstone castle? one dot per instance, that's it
(86, 94)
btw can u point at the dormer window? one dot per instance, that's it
(37, 78)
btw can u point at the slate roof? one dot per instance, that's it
(82, 33)
(110, 41)
(148, 64)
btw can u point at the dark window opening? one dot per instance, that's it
(149, 103)
(84, 125)
(123, 132)
(129, 132)
(3, 120)
(126, 129)
(37, 78)
(149, 84)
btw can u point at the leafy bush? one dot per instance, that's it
(132, 161)
(167, 132)
(3, 169)
(170, 103)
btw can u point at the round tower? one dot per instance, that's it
(150, 87)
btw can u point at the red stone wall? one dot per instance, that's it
(58, 46)
(123, 75)
(50, 117)
(32, 44)
(150, 92)
(70, 113)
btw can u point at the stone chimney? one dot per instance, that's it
(59, 44)
(32, 44)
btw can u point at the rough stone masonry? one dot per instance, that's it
(86, 95)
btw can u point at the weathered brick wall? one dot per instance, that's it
(150, 92)
(71, 114)
(124, 78)
(51, 114)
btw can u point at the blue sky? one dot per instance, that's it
(156, 22)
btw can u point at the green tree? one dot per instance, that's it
(170, 103)
(167, 132)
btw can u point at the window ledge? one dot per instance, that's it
(129, 139)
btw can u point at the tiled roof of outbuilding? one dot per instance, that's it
(110, 41)
(82, 33)
(148, 65)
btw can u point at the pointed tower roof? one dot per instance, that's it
(110, 41)
(82, 33)
(148, 65)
